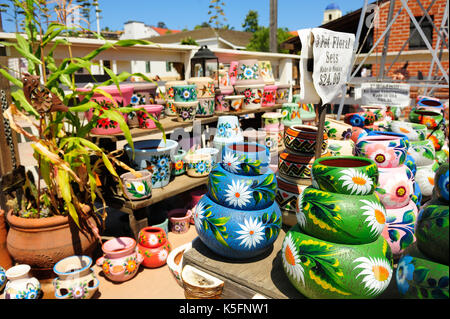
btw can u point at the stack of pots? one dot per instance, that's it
(336, 249)
(205, 95)
(339, 137)
(154, 246)
(228, 130)
(144, 94)
(185, 102)
(395, 186)
(250, 84)
(170, 109)
(222, 104)
(238, 217)
(422, 271)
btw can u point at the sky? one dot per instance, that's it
(186, 14)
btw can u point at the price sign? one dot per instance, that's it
(385, 94)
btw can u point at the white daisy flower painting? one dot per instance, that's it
(252, 233)
(376, 216)
(358, 183)
(291, 260)
(237, 194)
(231, 162)
(376, 274)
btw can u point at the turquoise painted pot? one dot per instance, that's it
(185, 93)
(179, 166)
(233, 233)
(241, 191)
(153, 155)
(321, 269)
(246, 158)
(291, 114)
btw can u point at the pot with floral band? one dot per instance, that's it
(198, 164)
(248, 72)
(253, 95)
(144, 120)
(422, 152)
(221, 103)
(186, 111)
(154, 246)
(21, 284)
(437, 137)
(233, 71)
(337, 130)
(441, 182)
(269, 95)
(386, 151)
(169, 96)
(265, 69)
(205, 107)
(414, 131)
(144, 94)
(204, 85)
(137, 187)
(429, 118)
(177, 159)
(228, 130)
(246, 158)
(185, 93)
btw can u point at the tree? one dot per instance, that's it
(216, 13)
(203, 25)
(189, 41)
(161, 25)
(260, 40)
(251, 21)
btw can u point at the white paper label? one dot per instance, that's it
(385, 94)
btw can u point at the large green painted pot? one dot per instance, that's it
(351, 175)
(441, 183)
(418, 277)
(343, 219)
(323, 270)
(429, 118)
(432, 232)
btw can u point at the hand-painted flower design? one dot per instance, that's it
(376, 274)
(162, 255)
(347, 134)
(291, 260)
(201, 167)
(197, 214)
(179, 165)
(252, 233)
(231, 162)
(130, 265)
(376, 216)
(301, 218)
(153, 240)
(381, 154)
(185, 115)
(162, 162)
(357, 182)
(134, 99)
(224, 130)
(405, 271)
(237, 194)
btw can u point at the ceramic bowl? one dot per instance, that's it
(179, 220)
(198, 165)
(246, 158)
(137, 188)
(185, 93)
(21, 284)
(235, 102)
(429, 118)
(186, 111)
(175, 261)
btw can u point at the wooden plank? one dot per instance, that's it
(244, 112)
(263, 275)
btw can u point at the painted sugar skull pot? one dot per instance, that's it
(154, 246)
(120, 261)
(386, 151)
(231, 234)
(137, 187)
(320, 269)
(246, 158)
(75, 279)
(301, 139)
(20, 284)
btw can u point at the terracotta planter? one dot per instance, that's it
(169, 96)
(246, 158)
(301, 139)
(222, 104)
(425, 178)
(179, 166)
(42, 242)
(185, 93)
(360, 119)
(422, 152)
(179, 220)
(152, 236)
(5, 259)
(414, 132)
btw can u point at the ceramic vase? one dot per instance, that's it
(246, 158)
(253, 95)
(337, 130)
(286, 197)
(295, 168)
(198, 165)
(153, 246)
(230, 233)
(301, 139)
(20, 284)
(169, 96)
(179, 220)
(386, 151)
(282, 93)
(222, 104)
(234, 102)
(153, 155)
(179, 166)
(395, 187)
(204, 85)
(175, 261)
(205, 107)
(186, 111)
(120, 261)
(75, 279)
(291, 114)
(144, 120)
(356, 271)
(269, 95)
(137, 188)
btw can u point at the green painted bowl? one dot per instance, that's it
(339, 218)
(321, 269)
(349, 175)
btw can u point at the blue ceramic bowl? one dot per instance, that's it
(241, 191)
(236, 234)
(429, 103)
(154, 155)
(246, 158)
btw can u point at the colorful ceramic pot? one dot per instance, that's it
(442, 156)
(272, 120)
(360, 119)
(170, 109)
(286, 197)
(185, 93)
(179, 166)
(75, 279)
(198, 165)
(155, 257)
(234, 102)
(430, 103)
(339, 218)
(307, 113)
(246, 158)
(429, 118)
(378, 111)
(248, 72)
(421, 97)
(441, 183)
(186, 111)
(204, 85)
(425, 178)
(228, 129)
(241, 191)
(164, 225)
(120, 261)
(2, 278)
(20, 284)
(153, 155)
(213, 152)
(395, 186)
(269, 95)
(170, 95)
(179, 220)
(276, 138)
(230, 233)
(414, 131)
(320, 269)
(417, 195)
(301, 139)
(399, 230)
(265, 69)
(175, 261)
(205, 107)
(337, 130)
(340, 148)
(295, 168)
(106, 126)
(137, 188)
(283, 93)
(421, 278)
(437, 137)
(348, 175)
(222, 104)
(291, 114)
(422, 152)
(152, 237)
(253, 94)
(144, 94)
(144, 120)
(386, 151)
(358, 133)
(432, 232)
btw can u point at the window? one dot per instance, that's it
(148, 69)
(329, 17)
(107, 63)
(416, 42)
(168, 66)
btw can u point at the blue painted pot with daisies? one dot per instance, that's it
(246, 158)
(185, 93)
(233, 233)
(155, 156)
(321, 269)
(241, 191)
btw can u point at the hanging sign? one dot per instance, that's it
(385, 94)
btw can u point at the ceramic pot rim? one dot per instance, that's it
(190, 86)
(295, 157)
(130, 176)
(303, 129)
(380, 138)
(17, 271)
(174, 252)
(194, 157)
(364, 161)
(272, 115)
(178, 211)
(129, 242)
(76, 271)
(185, 104)
(169, 145)
(430, 102)
(249, 147)
(151, 107)
(234, 97)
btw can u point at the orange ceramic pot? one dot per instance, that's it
(152, 237)
(154, 252)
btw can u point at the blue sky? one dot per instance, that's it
(179, 14)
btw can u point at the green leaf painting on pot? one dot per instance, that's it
(322, 270)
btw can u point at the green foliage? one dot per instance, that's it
(251, 21)
(188, 41)
(216, 13)
(261, 38)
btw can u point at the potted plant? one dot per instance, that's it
(59, 219)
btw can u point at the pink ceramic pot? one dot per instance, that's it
(105, 126)
(222, 105)
(386, 151)
(179, 220)
(233, 71)
(144, 120)
(121, 260)
(269, 95)
(399, 227)
(394, 186)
